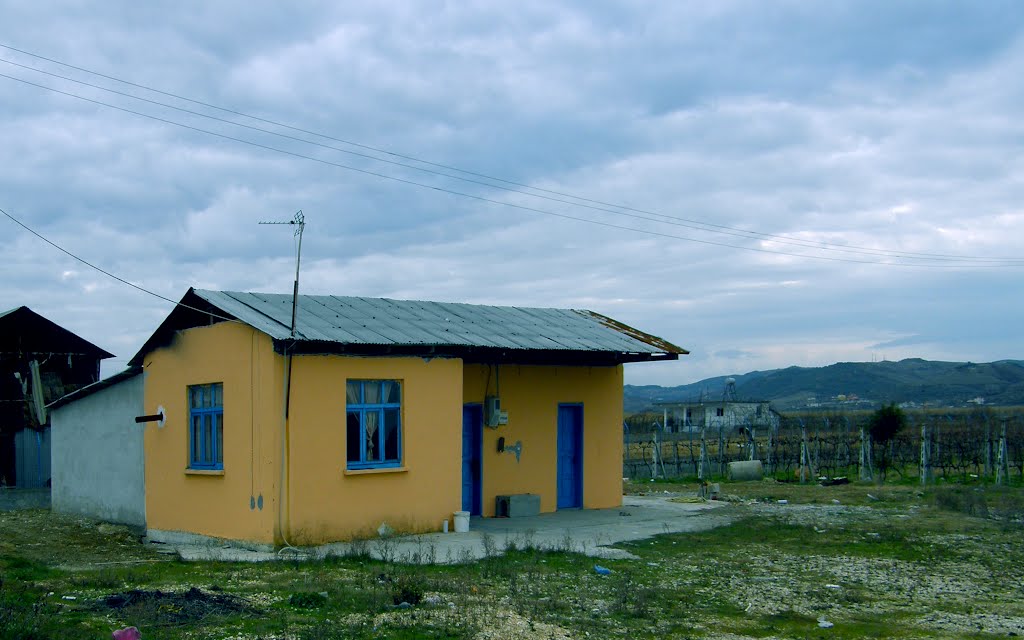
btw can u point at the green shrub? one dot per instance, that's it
(962, 500)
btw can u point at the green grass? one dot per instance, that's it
(876, 568)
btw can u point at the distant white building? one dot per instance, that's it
(727, 414)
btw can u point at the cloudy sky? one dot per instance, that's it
(764, 183)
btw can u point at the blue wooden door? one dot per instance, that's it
(570, 456)
(472, 445)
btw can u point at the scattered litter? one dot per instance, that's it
(602, 571)
(835, 501)
(69, 597)
(653, 564)
(783, 501)
(831, 482)
(832, 586)
(824, 624)
(871, 497)
(817, 530)
(872, 534)
(749, 607)
(128, 633)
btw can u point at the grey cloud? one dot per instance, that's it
(876, 125)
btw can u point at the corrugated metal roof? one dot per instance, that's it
(382, 321)
(35, 333)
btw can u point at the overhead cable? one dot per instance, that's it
(700, 225)
(660, 219)
(107, 273)
(969, 261)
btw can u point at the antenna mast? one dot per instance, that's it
(300, 224)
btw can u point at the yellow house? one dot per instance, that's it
(317, 423)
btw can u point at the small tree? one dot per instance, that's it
(885, 423)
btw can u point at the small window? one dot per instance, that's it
(206, 426)
(720, 412)
(373, 423)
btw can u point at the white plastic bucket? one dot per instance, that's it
(461, 521)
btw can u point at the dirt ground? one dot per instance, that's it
(855, 561)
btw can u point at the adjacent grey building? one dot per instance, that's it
(97, 451)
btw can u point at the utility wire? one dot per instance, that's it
(661, 219)
(603, 206)
(990, 263)
(107, 273)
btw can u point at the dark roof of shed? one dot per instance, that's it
(382, 326)
(90, 389)
(23, 330)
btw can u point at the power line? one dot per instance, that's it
(671, 220)
(989, 263)
(621, 210)
(107, 273)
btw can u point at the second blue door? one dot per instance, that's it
(472, 436)
(570, 456)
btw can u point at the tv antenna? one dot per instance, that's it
(300, 224)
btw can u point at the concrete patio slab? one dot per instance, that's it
(588, 531)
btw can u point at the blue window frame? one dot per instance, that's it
(373, 423)
(206, 426)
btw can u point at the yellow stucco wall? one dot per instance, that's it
(215, 504)
(326, 502)
(329, 503)
(531, 395)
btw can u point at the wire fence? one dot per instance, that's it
(962, 445)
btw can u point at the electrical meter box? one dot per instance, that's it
(493, 415)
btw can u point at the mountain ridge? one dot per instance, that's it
(911, 382)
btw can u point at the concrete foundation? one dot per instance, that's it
(588, 531)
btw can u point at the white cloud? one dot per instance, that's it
(876, 127)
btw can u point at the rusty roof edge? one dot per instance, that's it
(636, 334)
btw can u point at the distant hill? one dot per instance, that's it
(913, 382)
